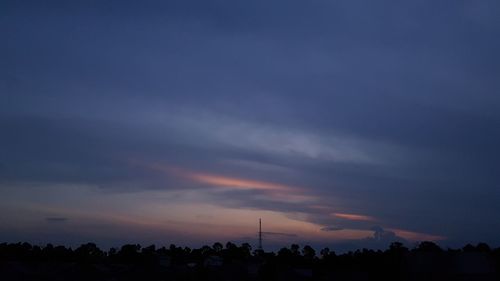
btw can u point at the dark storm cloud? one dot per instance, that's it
(389, 109)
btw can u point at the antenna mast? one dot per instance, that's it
(260, 234)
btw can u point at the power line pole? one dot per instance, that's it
(260, 234)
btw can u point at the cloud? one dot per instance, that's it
(56, 219)
(372, 133)
(379, 234)
(381, 239)
(267, 233)
(276, 191)
(275, 140)
(332, 228)
(417, 236)
(353, 217)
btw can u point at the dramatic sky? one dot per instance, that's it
(339, 123)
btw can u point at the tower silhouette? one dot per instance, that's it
(260, 234)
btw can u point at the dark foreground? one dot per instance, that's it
(428, 261)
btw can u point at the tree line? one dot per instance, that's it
(426, 261)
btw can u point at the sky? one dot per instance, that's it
(344, 124)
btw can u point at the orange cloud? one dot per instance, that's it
(353, 217)
(221, 181)
(416, 236)
(237, 183)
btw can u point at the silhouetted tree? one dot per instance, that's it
(428, 246)
(397, 248)
(217, 247)
(88, 253)
(206, 250)
(308, 252)
(285, 253)
(129, 253)
(483, 247)
(325, 252)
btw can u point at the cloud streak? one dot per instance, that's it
(331, 228)
(274, 189)
(56, 219)
(353, 217)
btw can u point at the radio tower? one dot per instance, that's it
(260, 234)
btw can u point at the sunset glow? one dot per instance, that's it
(237, 183)
(416, 236)
(353, 217)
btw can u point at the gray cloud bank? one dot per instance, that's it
(384, 108)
